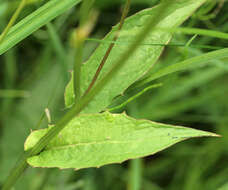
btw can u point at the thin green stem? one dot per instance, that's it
(134, 97)
(12, 20)
(135, 176)
(77, 108)
(81, 34)
(85, 11)
(59, 49)
(15, 173)
(103, 61)
(191, 40)
(10, 69)
(188, 44)
(77, 72)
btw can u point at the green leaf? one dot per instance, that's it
(203, 32)
(223, 187)
(186, 64)
(123, 104)
(34, 21)
(94, 140)
(142, 60)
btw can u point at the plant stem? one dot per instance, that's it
(77, 108)
(135, 176)
(103, 61)
(12, 20)
(15, 173)
(134, 97)
(81, 33)
(77, 71)
(10, 69)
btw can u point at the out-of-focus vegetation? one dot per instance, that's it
(33, 77)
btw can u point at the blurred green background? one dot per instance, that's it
(33, 76)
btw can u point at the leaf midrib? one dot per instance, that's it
(108, 142)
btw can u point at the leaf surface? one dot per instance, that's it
(139, 63)
(34, 21)
(190, 63)
(94, 140)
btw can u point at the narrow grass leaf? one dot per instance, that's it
(34, 21)
(186, 64)
(134, 97)
(199, 31)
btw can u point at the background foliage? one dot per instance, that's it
(195, 98)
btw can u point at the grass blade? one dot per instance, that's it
(34, 21)
(187, 64)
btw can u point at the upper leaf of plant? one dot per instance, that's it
(142, 60)
(94, 140)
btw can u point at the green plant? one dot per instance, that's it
(86, 135)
